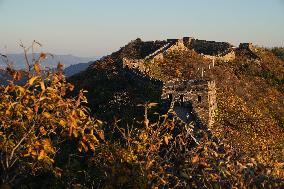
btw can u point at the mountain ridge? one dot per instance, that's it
(18, 60)
(244, 79)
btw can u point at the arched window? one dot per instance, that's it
(181, 98)
(199, 98)
(170, 96)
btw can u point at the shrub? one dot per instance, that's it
(36, 118)
(279, 52)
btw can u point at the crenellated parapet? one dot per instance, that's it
(249, 50)
(199, 95)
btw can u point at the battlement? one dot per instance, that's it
(199, 96)
(246, 46)
(212, 48)
(249, 51)
(222, 51)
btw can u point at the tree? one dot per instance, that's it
(37, 117)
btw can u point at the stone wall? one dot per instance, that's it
(142, 79)
(212, 48)
(200, 95)
(249, 50)
(140, 64)
(134, 64)
(212, 102)
(226, 57)
(248, 46)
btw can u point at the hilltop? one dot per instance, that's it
(249, 82)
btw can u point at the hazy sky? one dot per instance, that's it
(98, 27)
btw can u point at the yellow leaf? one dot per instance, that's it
(81, 113)
(31, 81)
(42, 86)
(41, 155)
(101, 135)
(99, 122)
(71, 87)
(195, 159)
(26, 155)
(57, 171)
(63, 91)
(62, 123)
(92, 146)
(166, 140)
(152, 104)
(8, 112)
(30, 114)
(42, 130)
(17, 75)
(46, 115)
(60, 66)
(21, 89)
(75, 133)
(84, 146)
(37, 67)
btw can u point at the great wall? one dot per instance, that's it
(188, 98)
(212, 50)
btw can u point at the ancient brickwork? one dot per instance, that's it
(212, 101)
(140, 64)
(248, 46)
(225, 57)
(212, 48)
(198, 95)
(249, 50)
(135, 64)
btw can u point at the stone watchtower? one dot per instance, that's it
(197, 97)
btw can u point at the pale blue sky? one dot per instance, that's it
(99, 27)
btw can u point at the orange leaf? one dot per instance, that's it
(41, 155)
(42, 56)
(166, 140)
(60, 66)
(42, 130)
(195, 159)
(62, 123)
(92, 146)
(31, 80)
(37, 67)
(46, 115)
(63, 91)
(42, 86)
(152, 104)
(101, 135)
(84, 146)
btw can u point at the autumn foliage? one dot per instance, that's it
(36, 118)
(49, 139)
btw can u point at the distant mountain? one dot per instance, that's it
(18, 60)
(76, 68)
(3, 77)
